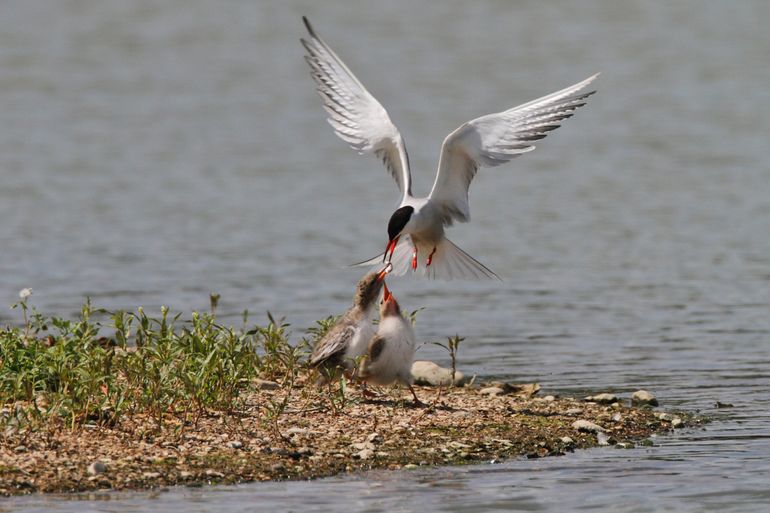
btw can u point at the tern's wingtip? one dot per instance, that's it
(308, 26)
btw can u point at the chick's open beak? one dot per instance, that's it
(385, 270)
(386, 294)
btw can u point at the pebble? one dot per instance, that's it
(617, 417)
(186, 474)
(664, 416)
(567, 440)
(150, 475)
(603, 398)
(296, 431)
(360, 446)
(641, 397)
(602, 439)
(235, 444)
(549, 398)
(20, 448)
(374, 438)
(430, 374)
(573, 411)
(214, 473)
(588, 426)
(96, 468)
(492, 391)
(409, 466)
(364, 454)
(677, 423)
(265, 384)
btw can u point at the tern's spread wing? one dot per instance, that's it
(494, 139)
(356, 116)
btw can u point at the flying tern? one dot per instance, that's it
(417, 225)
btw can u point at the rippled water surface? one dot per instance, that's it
(154, 152)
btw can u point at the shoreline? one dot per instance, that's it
(298, 432)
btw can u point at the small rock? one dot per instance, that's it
(374, 438)
(549, 398)
(20, 448)
(214, 473)
(429, 374)
(277, 467)
(492, 391)
(641, 397)
(409, 466)
(602, 438)
(667, 417)
(617, 417)
(360, 446)
(677, 423)
(720, 404)
(235, 444)
(646, 443)
(150, 475)
(573, 411)
(265, 384)
(587, 426)
(364, 454)
(567, 440)
(603, 398)
(186, 474)
(296, 431)
(96, 468)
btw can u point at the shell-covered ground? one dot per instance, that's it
(304, 432)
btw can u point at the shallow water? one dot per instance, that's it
(152, 153)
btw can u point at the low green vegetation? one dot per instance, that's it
(66, 372)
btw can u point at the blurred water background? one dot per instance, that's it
(152, 153)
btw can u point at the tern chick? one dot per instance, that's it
(390, 353)
(347, 341)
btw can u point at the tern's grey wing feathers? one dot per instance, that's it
(330, 350)
(355, 115)
(494, 139)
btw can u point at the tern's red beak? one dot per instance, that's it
(391, 248)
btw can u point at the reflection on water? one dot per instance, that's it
(151, 153)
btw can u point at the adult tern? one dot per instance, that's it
(417, 225)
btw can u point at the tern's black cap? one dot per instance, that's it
(398, 220)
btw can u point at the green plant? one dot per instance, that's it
(452, 346)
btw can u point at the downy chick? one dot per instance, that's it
(391, 351)
(343, 344)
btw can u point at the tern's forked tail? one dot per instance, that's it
(448, 262)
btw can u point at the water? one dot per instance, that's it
(152, 153)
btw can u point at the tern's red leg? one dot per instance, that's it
(414, 259)
(430, 257)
